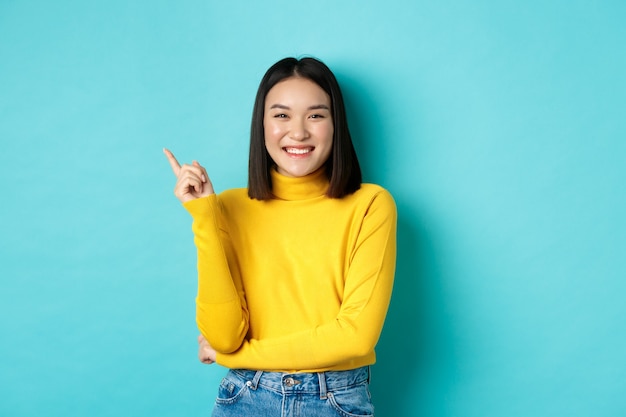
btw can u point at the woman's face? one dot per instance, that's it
(298, 126)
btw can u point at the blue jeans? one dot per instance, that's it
(269, 394)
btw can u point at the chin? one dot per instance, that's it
(297, 172)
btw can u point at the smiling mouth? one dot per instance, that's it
(298, 151)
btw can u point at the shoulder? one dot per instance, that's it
(233, 198)
(233, 194)
(374, 193)
(371, 201)
(372, 189)
(375, 207)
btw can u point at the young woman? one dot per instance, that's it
(296, 271)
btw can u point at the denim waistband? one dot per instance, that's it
(305, 383)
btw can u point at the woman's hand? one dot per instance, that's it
(192, 180)
(206, 353)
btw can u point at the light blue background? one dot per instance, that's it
(498, 126)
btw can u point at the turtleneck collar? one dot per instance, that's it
(299, 188)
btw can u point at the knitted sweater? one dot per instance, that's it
(301, 282)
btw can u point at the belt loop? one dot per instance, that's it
(255, 381)
(323, 392)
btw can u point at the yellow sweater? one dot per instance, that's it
(301, 282)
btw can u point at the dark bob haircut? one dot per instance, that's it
(342, 167)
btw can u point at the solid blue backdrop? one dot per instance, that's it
(498, 126)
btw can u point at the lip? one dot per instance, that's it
(299, 149)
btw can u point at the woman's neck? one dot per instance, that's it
(299, 188)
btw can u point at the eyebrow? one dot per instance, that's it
(314, 107)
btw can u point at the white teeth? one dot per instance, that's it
(298, 151)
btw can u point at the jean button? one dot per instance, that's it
(289, 382)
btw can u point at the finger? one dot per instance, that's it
(188, 183)
(172, 160)
(194, 169)
(191, 171)
(203, 175)
(205, 357)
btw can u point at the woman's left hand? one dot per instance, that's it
(206, 353)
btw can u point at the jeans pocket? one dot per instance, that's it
(231, 389)
(354, 401)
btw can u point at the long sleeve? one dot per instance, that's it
(355, 330)
(221, 311)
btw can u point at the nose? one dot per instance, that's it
(298, 130)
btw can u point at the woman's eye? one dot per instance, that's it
(317, 116)
(280, 115)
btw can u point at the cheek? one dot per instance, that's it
(327, 134)
(272, 130)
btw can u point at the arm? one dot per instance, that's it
(221, 310)
(355, 330)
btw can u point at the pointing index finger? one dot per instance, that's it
(172, 160)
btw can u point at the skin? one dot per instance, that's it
(298, 130)
(192, 181)
(298, 126)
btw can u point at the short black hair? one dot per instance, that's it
(342, 167)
